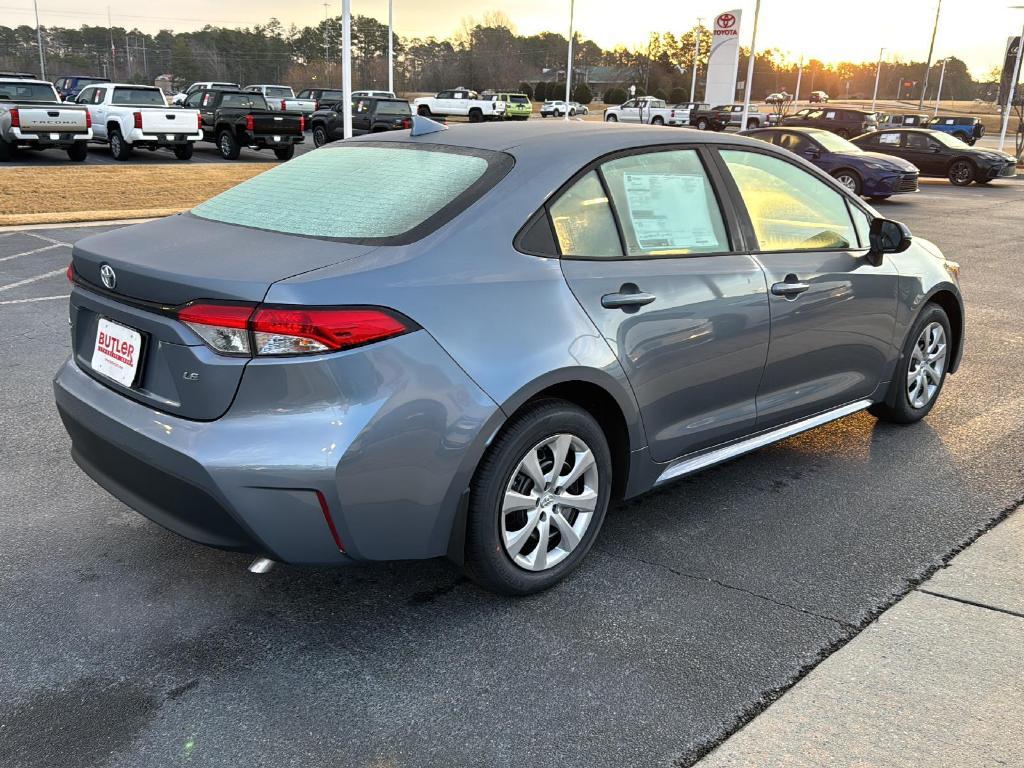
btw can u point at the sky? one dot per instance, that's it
(830, 30)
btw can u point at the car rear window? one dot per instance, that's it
(21, 91)
(403, 192)
(519, 99)
(138, 97)
(245, 100)
(279, 93)
(400, 108)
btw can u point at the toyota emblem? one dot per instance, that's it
(726, 21)
(108, 276)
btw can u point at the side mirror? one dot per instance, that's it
(812, 154)
(888, 236)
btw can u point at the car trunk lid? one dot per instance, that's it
(156, 120)
(266, 121)
(54, 118)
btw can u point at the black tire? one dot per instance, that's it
(963, 137)
(897, 407)
(572, 113)
(556, 113)
(475, 116)
(119, 148)
(703, 124)
(78, 151)
(848, 179)
(423, 110)
(961, 172)
(752, 124)
(7, 151)
(880, 197)
(228, 145)
(843, 133)
(184, 151)
(284, 153)
(487, 561)
(657, 120)
(319, 135)
(611, 119)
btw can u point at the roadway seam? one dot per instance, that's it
(972, 603)
(724, 585)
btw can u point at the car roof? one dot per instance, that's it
(575, 139)
(23, 80)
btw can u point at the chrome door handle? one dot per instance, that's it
(626, 300)
(790, 290)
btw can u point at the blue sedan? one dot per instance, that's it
(871, 174)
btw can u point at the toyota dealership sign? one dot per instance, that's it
(725, 57)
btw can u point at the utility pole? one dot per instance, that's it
(696, 57)
(750, 69)
(931, 50)
(1008, 107)
(113, 50)
(568, 65)
(391, 47)
(799, 77)
(145, 64)
(878, 72)
(938, 94)
(346, 68)
(39, 42)
(327, 49)
(128, 56)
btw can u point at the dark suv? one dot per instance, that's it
(69, 86)
(369, 115)
(842, 122)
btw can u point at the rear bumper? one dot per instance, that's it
(46, 139)
(387, 435)
(264, 141)
(138, 136)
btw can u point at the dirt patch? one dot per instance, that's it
(83, 193)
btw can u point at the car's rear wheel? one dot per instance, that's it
(475, 116)
(657, 120)
(752, 123)
(423, 110)
(921, 370)
(843, 133)
(119, 148)
(77, 152)
(538, 499)
(963, 137)
(184, 151)
(284, 153)
(848, 179)
(7, 151)
(228, 145)
(961, 172)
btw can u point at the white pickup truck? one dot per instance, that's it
(645, 109)
(127, 117)
(33, 116)
(460, 102)
(281, 98)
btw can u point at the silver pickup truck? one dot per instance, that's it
(33, 116)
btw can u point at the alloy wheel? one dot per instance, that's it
(549, 502)
(847, 181)
(961, 172)
(927, 365)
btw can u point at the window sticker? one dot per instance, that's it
(670, 212)
(889, 138)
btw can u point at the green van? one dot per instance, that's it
(517, 105)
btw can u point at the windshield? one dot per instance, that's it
(303, 196)
(138, 97)
(247, 100)
(22, 91)
(279, 93)
(81, 82)
(834, 143)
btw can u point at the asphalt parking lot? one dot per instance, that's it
(124, 645)
(99, 154)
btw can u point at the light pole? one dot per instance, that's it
(568, 66)
(938, 94)
(696, 56)
(391, 48)
(327, 46)
(878, 74)
(931, 50)
(39, 42)
(750, 68)
(1008, 107)
(799, 77)
(346, 68)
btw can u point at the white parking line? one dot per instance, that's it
(45, 238)
(28, 280)
(37, 250)
(39, 298)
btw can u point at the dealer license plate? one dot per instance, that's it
(117, 352)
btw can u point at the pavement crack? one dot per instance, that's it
(733, 587)
(972, 603)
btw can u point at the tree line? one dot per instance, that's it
(483, 54)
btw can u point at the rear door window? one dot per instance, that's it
(303, 196)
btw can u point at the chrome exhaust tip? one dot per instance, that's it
(261, 565)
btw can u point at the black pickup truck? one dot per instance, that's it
(369, 115)
(236, 119)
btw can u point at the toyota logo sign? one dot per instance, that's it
(726, 21)
(108, 276)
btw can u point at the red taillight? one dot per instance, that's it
(283, 105)
(330, 522)
(242, 329)
(88, 119)
(138, 119)
(199, 122)
(406, 122)
(250, 123)
(15, 118)
(71, 272)
(302, 123)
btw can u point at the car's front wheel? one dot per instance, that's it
(961, 173)
(611, 119)
(538, 499)
(848, 179)
(703, 124)
(319, 136)
(921, 371)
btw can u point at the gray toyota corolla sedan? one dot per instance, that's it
(466, 343)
